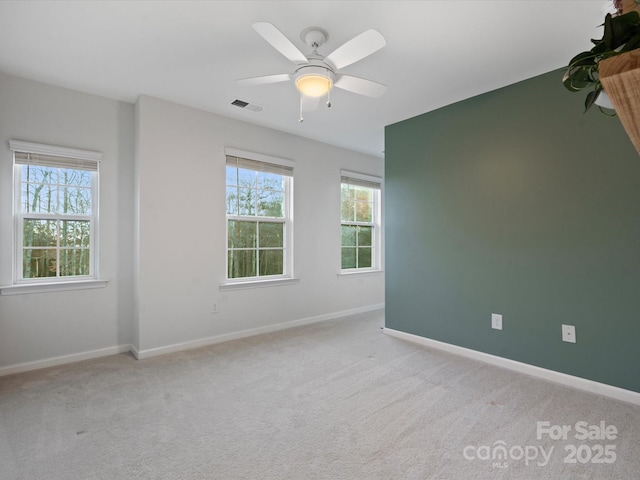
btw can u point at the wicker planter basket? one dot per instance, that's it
(620, 77)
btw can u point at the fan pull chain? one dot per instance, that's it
(328, 92)
(301, 119)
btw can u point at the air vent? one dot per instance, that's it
(252, 107)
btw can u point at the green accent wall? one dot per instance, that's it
(515, 202)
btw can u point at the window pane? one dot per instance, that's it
(271, 262)
(40, 233)
(364, 257)
(53, 246)
(232, 176)
(232, 201)
(81, 178)
(349, 235)
(242, 234)
(364, 236)
(39, 198)
(74, 262)
(38, 174)
(271, 234)
(246, 201)
(74, 233)
(347, 204)
(364, 212)
(246, 178)
(242, 263)
(363, 194)
(38, 263)
(270, 204)
(270, 181)
(348, 257)
(255, 243)
(76, 200)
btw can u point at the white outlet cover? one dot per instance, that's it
(569, 333)
(496, 321)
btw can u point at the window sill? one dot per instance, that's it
(52, 287)
(225, 287)
(359, 273)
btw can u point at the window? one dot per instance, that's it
(360, 222)
(259, 217)
(56, 205)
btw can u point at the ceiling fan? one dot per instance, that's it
(315, 75)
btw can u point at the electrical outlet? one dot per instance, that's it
(496, 321)
(569, 333)
(215, 308)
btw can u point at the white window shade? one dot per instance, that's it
(28, 153)
(361, 180)
(259, 166)
(24, 158)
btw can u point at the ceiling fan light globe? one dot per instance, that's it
(313, 85)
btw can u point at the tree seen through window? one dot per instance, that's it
(56, 204)
(256, 222)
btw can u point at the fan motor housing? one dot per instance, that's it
(314, 80)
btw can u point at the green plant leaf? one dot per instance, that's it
(577, 78)
(599, 49)
(621, 28)
(607, 38)
(629, 18)
(591, 99)
(632, 44)
(584, 58)
(569, 85)
(606, 112)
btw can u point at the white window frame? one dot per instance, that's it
(60, 157)
(376, 184)
(288, 272)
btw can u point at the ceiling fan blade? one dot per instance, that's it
(356, 49)
(310, 103)
(361, 86)
(281, 43)
(253, 81)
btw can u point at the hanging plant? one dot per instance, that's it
(621, 34)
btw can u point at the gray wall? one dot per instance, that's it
(163, 174)
(180, 183)
(46, 325)
(514, 202)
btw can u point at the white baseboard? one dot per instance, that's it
(135, 352)
(153, 352)
(543, 373)
(64, 359)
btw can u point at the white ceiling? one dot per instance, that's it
(191, 52)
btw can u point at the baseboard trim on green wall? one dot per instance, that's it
(543, 373)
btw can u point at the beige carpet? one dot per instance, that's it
(335, 400)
